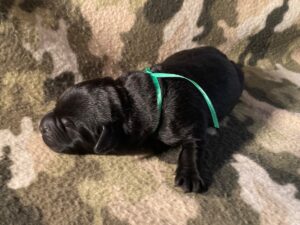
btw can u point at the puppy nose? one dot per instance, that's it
(43, 129)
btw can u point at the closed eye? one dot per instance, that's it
(67, 123)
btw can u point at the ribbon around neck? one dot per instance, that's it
(154, 76)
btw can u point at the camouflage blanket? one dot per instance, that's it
(254, 159)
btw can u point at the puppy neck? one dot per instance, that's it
(140, 105)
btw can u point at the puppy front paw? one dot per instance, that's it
(190, 180)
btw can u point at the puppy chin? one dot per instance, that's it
(53, 145)
(70, 149)
(49, 143)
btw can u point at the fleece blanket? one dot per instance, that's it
(253, 159)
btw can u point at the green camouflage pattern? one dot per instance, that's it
(46, 46)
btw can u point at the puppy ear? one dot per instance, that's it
(103, 142)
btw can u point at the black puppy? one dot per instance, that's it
(100, 115)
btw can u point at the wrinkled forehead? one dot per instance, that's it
(89, 102)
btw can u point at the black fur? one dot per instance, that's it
(102, 115)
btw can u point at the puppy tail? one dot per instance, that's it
(240, 72)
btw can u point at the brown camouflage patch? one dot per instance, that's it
(282, 94)
(212, 12)
(145, 37)
(12, 210)
(22, 95)
(57, 197)
(106, 41)
(5, 6)
(259, 43)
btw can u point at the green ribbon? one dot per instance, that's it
(155, 76)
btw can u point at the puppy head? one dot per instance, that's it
(87, 118)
